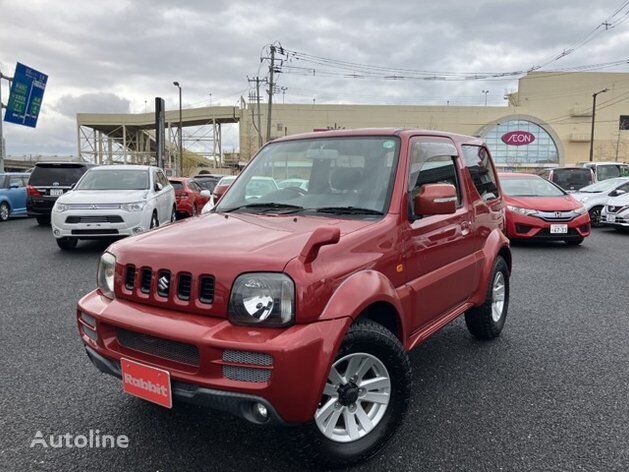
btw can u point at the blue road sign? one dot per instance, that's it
(27, 93)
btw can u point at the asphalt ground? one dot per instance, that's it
(551, 394)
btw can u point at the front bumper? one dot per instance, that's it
(94, 223)
(534, 228)
(620, 219)
(300, 355)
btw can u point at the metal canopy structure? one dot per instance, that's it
(130, 138)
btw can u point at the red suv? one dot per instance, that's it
(300, 306)
(191, 198)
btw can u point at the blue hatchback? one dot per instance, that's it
(12, 194)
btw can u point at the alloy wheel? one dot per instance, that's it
(355, 398)
(498, 296)
(4, 212)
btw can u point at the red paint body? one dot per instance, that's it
(521, 226)
(422, 274)
(189, 200)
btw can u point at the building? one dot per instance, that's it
(546, 123)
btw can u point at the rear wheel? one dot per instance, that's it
(154, 221)
(574, 242)
(43, 220)
(487, 320)
(364, 399)
(67, 244)
(4, 211)
(595, 216)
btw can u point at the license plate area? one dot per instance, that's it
(146, 382)
(558, 229)
(610, 218)
(56, 192)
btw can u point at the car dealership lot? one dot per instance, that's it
(550, 394)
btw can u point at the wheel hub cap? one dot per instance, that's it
(498, 296)
(348, 394)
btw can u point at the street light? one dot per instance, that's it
(180, 166)
(485, 92)
(593, 120)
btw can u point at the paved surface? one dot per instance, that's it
(551, 394)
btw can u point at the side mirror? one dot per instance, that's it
(435, 199)
(206, 193)
(158, 187)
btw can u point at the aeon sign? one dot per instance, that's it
(518, 138)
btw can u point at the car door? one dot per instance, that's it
(440, 261)
(17, 194)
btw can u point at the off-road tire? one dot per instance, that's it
(366, 336)
(479, 320)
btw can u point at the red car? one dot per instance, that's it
(539, 210)
(294, 306)
(190, 197)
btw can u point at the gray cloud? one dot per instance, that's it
(113, 55)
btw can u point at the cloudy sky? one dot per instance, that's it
(115, 56)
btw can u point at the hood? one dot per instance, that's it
(273, 240)
(563, 203)
(103, 196)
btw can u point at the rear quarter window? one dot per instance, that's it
(478, 162)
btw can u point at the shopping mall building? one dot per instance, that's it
(546, 123)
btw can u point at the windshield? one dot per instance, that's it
(573, 179)
(530, 187)
(607, 171)
(51, 174)
(354, 174)
(206, 184)
(114, 180)
(176, 184)
(604, 186)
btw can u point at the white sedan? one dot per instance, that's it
(616, 213)
(111, 201)
(595, 196)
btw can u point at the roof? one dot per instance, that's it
(407, 132)
(21, 174)
(124, 167)
(178, 179)
(509, 175)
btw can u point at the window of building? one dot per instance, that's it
(478, 163)
(516, 142)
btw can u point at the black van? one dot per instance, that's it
(571, 179)
(48, 181)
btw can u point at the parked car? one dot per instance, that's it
(616, 213)
(595, 196)
(540, 210)
(47, 182)
(220, 188)
(113, 201)
(606, 170)
(190, 197)
(571, 179)
(12, 194)
(295, 183)
(207, 181)
(300, 308)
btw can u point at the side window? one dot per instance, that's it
(15, 182)
(24, 181)
(624, 188)
(156, 179)
(162, 178)
(433, 163)
(478, 163)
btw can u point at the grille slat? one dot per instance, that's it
(145, 280)
(247, 357)
(206, 289)
(94, 219)
(246, 374)
(129, 281)
(184, 287)
(159, 347)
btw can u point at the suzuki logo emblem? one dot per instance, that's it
(163, 283)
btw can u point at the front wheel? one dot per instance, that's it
(364, 400)
(487, 320)
(67, 244)
(595, 216)
(4, 211)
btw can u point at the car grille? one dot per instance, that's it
(94, 219)
(87, 232)
(163, 285)
(247, 373)
(557, 215)
(159, 347)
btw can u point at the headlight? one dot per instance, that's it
(522, 211)
(60, 207)
(264, 299)
(106, 271)
(581, 210)
(135, 206)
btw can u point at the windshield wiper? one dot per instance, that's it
(263, 207)
(348, 210)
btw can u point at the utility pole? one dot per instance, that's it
(270, 91)
(2, 148)
(180, 165)
(485, 92)
(594, 95)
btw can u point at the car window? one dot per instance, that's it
(53, 175)
(624, 188)
(193, 186)
(433, 162)
(163, 179)
(24, 180)
(15, 181)
(478, 163)
(176, 184)
(114, 179)
(526, 186)
(260, 187)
